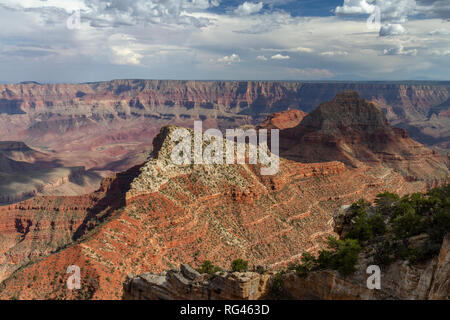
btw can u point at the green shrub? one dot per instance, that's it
(384, 202)
(383, 254)
(308, 263)
(276, 289)
(361, 229)
(407, 225)
(260, 269)
(208, 267)
(344, 255)
(239, 265)
(377, 225)
(403, 207)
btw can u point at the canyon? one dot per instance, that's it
(25, 173)
(107, 127)
(157, 215)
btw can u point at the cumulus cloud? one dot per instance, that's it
(234, 58)
(392, 30)
(300, 49)
(334, 53)
(355, 7)
(125, 50)
(248, 8)
(393, 13)
(114, 13)
(399, 50)
(434, 8)
(279, 57)
(121, 42)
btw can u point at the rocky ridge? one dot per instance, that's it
(194, 214)
(356, 132)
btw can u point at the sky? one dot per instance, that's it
(71, 41)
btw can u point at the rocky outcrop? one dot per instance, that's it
(356, 132)
(428, 281)
(283, 120)
(188, 284)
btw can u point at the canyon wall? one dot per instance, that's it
(107, 125)
(427, 281)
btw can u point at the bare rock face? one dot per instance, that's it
(176, 285)
(283, 120)
(356, 132)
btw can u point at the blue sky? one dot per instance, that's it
(42, 40)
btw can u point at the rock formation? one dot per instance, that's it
(428, 280)
(356, 132)
(197, 212)
(109, 126)
(188, 284)
(158, 215)
(283, 120)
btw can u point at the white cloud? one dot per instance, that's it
(248, 8)
(261, 58)
(234, 58)
(300, 49)
(334, 53)
(355, 7)
(68, 5)
(393, 13)
(174, 49)
(441, 31)
(399, 50)
(440, 52)
(392, 30)
(434, 8)
(114, 13)
(279, 57)
(125, 50)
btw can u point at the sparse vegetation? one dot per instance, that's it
(276, 289)
(387, 227)
(342, 256)
(239, 265)
(208, 267)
